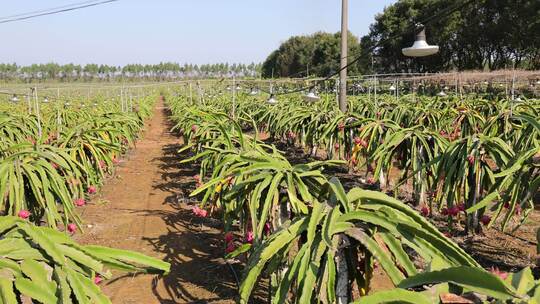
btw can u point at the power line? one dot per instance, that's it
(46, 10)
(54, 11)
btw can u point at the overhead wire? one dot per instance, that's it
(55, 11)
(47, 9)
(299, 73)
(14, 94)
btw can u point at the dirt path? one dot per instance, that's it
(146, 211)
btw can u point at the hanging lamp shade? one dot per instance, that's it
(272, 100)
(311, 97)
(420, 47)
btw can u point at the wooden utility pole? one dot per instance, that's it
(343, 65)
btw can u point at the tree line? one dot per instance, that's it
(479, 35)
(103, 72)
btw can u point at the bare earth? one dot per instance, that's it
(142, 208)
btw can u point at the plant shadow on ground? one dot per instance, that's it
(198, 274)
(193, 246)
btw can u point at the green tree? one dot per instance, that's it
(317, 55)
(481, 34)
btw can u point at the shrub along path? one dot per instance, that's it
(143, 208)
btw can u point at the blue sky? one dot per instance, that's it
(150, 31)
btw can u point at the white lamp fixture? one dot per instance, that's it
(420, 48)
(272, 100)
(311, 97)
